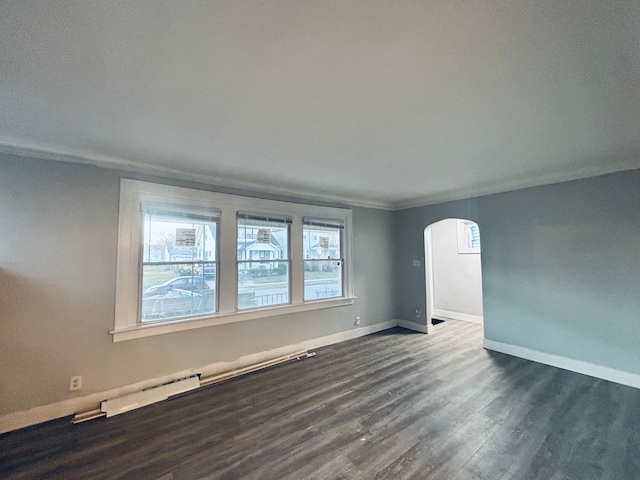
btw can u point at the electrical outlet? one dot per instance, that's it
(75, 383)
(358, 320)
(417, 313)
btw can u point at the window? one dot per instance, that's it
(468, 237)
(323, 259)
(191, 259)
(261, 280)
(176, 279)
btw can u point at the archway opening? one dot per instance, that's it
(453, 272)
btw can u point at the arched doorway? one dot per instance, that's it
(453, 271)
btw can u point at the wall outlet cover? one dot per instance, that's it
(75, 383)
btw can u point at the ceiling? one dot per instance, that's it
(387, 104)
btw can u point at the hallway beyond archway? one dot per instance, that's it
(453, 271)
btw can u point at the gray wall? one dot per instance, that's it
(457, 277)
(58, 239)
(561, 266)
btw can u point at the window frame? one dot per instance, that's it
(128, 291)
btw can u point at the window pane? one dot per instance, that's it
(322, 242)
(473, 235)
(166, 296)
(259, 239)
(168, 239)
(262, 283)
(322, 279)
(263, 263)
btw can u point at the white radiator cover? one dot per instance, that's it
(135, 400)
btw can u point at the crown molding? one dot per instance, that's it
(537, 181)
(116, 163)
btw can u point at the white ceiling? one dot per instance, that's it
(378, 103)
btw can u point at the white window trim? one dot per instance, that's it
(463, 239)
(133, 193)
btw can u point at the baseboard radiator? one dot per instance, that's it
(115, 406)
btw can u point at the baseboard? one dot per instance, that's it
(44, 413)
(418, 327)
(465, 317)
(348, 335)
(578, 366)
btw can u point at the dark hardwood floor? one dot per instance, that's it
(396, 404)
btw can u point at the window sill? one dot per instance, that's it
(150, 329)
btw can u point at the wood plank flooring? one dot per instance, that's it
(396, 404)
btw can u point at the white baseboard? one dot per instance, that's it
(344, 336)
(465, 317)
(578, 366)
(44, 413)
(418, 327)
